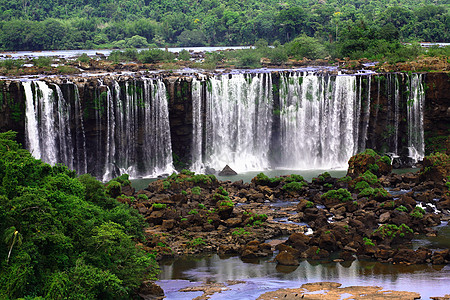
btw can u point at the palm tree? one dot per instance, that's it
(12, 237)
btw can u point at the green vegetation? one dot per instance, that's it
(341, 195)
(377, 193)
(240, 231)
(311, 29)
(418, 212)
(63, 236)
(368, 242)
(195, 243)
(159, 206)
(402, 208)
(196, 190)
(392, 230)
(294, 186)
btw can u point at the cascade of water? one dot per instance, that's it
(33, 143)
(238, 122)
(110, 136)
(47, 130)
(138, 133)
(65, 150)
(80, 137)
(396, 116)
(197, 124)
(415, 109)
(317, 120)
(157, 142)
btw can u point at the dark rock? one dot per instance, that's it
(299, 241)
(150, 290)
(227, 171)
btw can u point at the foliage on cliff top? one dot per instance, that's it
(62, 236)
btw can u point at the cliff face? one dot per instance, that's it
(112, 115)
(437, 111)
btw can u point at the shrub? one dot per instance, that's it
(42, 61)
(392, 230)
(361, 185)
(309, 204)
(184, 55)
(201, 206)
(418, 212)
(114, 188)
(342, 195)
(84, 58)
(368, 242)
(159, 206)
(294, 186)
(193, 212)
(402, 208)
(196, 190)
(155, 55)
(196, 242)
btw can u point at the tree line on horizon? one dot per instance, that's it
(89, 24)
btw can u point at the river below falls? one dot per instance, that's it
(260, 276)
(264, 276)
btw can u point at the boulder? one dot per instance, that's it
(150, 290)
(227, 171)
(285, 258)
(368, 160)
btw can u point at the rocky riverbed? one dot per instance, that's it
(371, 214)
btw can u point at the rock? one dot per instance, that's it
(233, 222)
(255, 249)
(286, 259)
(150, 290)
(227, 171)
(364, 161)
(347, 256)
(298, 241)
(327, 241)
(384, 217)
(168, 224)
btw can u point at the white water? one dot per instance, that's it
(238, 123)
(318, 128)
(33, 143)
(138, 134)
(415, 110)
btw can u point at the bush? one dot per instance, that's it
(196, 190)
(84, 58)
(42, 61)
(155, 55)
(294, 186)
(184, 55)
(341, 195)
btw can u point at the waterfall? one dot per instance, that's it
(33, 143)
(197, 122)
(136, 139)
(238, 122)
(318, 125)
(415, 110)
(138, 133)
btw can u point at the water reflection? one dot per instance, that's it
(264, 276)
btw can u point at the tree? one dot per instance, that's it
(12, 237)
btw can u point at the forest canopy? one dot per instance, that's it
(63, 236)
(62, 24)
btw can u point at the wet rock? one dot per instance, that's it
(285, 258)
(227, 171)
(298, 241)
(150, 290)
(364, 161)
